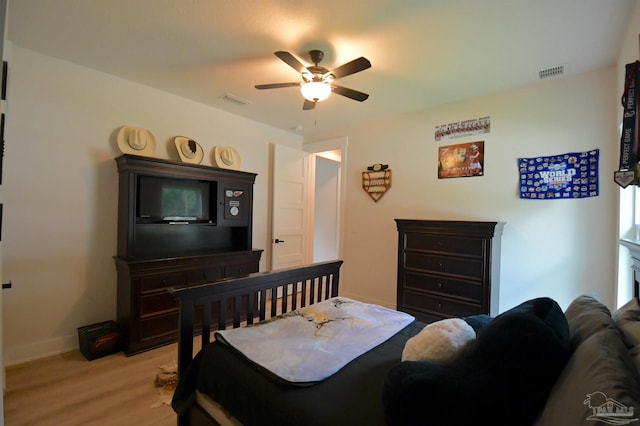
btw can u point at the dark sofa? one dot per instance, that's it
(531, 365)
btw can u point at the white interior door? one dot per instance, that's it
(290, 229)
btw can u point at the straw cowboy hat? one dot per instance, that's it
(226, 157)
(189, 150)
(135, 140)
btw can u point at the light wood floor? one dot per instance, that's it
(69, 390)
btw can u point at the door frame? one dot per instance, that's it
(334, 149)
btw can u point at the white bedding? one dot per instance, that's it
(312, 343)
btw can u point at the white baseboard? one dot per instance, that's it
(16, 355)
(20, 354)
(364, 299)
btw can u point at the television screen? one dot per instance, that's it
(162, 199)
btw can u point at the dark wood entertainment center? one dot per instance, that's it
(210, 240)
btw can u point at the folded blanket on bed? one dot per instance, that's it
(312, 343)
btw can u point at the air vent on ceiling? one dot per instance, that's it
(235, 99)
(551, 72)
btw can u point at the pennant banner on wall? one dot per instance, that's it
(463, 128)
(627, 173)
(570, 175)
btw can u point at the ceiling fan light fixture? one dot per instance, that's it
(315, 91)
(317, 81)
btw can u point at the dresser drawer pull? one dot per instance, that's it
(163, 281)
(440, 285)
(439, 306)
(441, 266)
(440, 244)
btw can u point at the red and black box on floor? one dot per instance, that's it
(100, 339)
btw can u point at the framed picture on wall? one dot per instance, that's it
(461, 160)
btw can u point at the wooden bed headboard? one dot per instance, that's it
(249, 299)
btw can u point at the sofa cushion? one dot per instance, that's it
(599, 371)
(627, 318)
(585, 316)
(503, 377)
(478, 321)
(635, 356)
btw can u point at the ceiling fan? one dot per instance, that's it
(317, 81)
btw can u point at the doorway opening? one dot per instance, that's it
(328, 171)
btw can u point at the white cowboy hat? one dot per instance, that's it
(189, 150)
(135, 140)
(226, 157)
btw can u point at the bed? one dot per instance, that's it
(563, 361)
(269, 400)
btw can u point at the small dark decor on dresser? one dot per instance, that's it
(179, 224)
(503, 377)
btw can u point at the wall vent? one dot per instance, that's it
(551, 72)
(235, 99)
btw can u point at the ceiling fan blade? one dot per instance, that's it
(308, 105)
(350, 93)
(352, 67)
(275, 85)
(291, 60)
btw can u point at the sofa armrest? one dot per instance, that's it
(599, 371)
(599, 374)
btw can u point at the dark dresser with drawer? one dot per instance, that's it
(147, 312)
(448, 268)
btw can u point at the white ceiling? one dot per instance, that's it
(423, 52)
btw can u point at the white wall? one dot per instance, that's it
(60, 182)
(556, 248)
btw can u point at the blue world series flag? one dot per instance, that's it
(571, 175)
